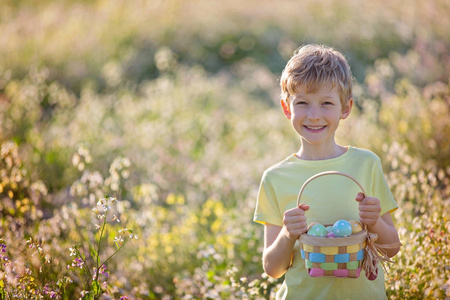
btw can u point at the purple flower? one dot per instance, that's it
(3, 250)
(102, 271)
(49, 292)
(77, 262)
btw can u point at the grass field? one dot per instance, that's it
(172, 108)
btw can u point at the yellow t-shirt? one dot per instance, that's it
(330, 198)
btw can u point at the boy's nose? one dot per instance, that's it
(314, 114)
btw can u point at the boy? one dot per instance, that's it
(316, 87)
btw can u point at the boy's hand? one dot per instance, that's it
(369, 209)
(294, 221)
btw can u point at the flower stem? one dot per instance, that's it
(98, 251)
(124, 243)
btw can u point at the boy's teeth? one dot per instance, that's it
(314, 127)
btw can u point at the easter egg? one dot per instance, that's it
(356, 226)
(330, 235)
(329, 229)
(342, 228)
(312, 224)
(318, 230)
(372, 276)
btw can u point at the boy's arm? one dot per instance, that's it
(383, 226)
(387, 233)
(279, 241)
(277, 250)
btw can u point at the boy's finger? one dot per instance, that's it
(359, 197)
(304, 206)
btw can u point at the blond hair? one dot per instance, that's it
(314, 65)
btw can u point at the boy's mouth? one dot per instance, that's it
(314, 127)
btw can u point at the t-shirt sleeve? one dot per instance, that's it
(267, 210)
(381, 189)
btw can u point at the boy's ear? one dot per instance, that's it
(286, 109)
(346, 111)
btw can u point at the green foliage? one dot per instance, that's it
(422, 268)
(179, 122)
(92, 287)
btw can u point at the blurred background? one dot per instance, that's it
(173, 108)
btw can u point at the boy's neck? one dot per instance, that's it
(320, 153)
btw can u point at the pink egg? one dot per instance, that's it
(330, 235)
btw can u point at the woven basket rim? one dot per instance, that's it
(356, 238)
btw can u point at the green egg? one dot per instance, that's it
(318, 230)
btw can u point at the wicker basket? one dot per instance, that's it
(333, 257)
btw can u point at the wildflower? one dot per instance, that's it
(84, 293)
(3, 250)
(133, 236)
(106, 202)
(30, 243)
(101, 270)
(115, 218)
(77, 262)
(51, 294)
(64, 281)
(118, 240)
(73, 251)
(97, 227)
(124, 298)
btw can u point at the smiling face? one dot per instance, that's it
(315, 116)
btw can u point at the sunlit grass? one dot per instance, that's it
(136, 100)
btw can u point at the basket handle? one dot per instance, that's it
(324, 174)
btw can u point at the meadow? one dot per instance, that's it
(133, 137)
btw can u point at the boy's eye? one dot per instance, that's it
(328, 103)
(301, 103)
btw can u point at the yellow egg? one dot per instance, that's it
(356, 226)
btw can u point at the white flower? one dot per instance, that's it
(73, 251)
(118, 240)
(115, 218)
(106, 202)
(125, 230)
(84, 293)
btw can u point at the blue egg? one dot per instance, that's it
(318, 230)
(342, 228)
